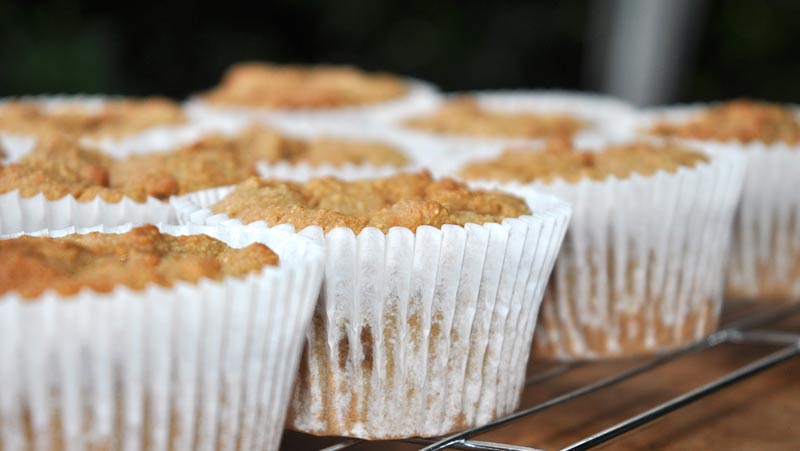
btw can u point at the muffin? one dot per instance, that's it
(144, 339)
(466, 116)
(429, 302)
(642, 265)
(62, 183)
(482, 124)
(765, 255)
(310, 92)
(92, 117)
(264, 85)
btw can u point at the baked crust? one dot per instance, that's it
(302, 87)
(60, 166)
(562, 161)
(405, 200)
(464, 116)
(743, 120)
(103, 261)
(113, 118)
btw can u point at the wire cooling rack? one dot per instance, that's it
(748, 324)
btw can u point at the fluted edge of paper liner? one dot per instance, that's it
(199, 366)
(419, 334)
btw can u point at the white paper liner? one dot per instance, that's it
(15, 146)
(418, 334)
(642, 265)
(201, 366)
(29, 214)
(765, 254)
(420, 95)
(610, 117)
(91, 103)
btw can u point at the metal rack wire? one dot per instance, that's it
(746, 330)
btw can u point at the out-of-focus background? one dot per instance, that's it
(647, 51)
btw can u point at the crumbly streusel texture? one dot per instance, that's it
(114, 118)
(61, 166)
(404, 200)
(303, 87)
(561, 161)
(103, 261)
(743, 120)
(465, 116)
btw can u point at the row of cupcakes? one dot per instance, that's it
(650, 222)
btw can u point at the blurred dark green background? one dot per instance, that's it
(745, 47)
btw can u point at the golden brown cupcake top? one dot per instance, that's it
(104, 261)
(404, 200)
(465, 116)
(743, 120)
(112, 118)
(60, 166)
(561, 161)
(303, 87)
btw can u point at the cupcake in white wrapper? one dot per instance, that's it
(642, 266)
(393, 146)
(207, 365)
(96, 118)
(527, 118)
(765, 254)
(311, 94)
(416, 153)
(418, 333)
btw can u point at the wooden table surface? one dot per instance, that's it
(759, 413)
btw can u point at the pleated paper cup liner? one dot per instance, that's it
(420, 95)
(642, 267)
(29, 214)
(609, 117)
(418, 333)
(202, 366)
(765, 253)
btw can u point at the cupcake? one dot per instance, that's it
(310, 93)
(62, 183)
(642, 265)
(765, 257)
(429, 301)
(281, 149)
(93, 117)
(140, 338)
(492, 120)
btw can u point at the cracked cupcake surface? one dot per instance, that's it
(559, 160)
(108, 119)
(303, 87)
(465, 116)
(405, 200)
(742, 120)
(103, 261)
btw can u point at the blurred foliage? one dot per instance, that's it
(176, 48)
(749, 48)
(179, 48)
